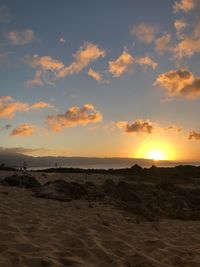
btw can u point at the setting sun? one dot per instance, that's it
(156, 155)
(156, 150)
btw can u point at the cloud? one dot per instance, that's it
(24, 129)
(188, 45)
(4, 14)
(21, 37)
(145, 32)
(173, 128)
(82, 58)
(62, 40)
(73, 117)
(50, 69)
(179, 83)
(46, 66)
(45, 63)
(162, 44)
(36, 81)
(8, 107)
(184, 5)
(40, 104)
(138, 126)
(121, 65)
(146, 61)
(141, 126)
(94, 74)
(194, 135)
(180, 25)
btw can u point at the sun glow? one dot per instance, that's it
(156, 154)
(155, 150)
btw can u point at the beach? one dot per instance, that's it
(46, 232)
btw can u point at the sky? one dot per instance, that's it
(109, 78)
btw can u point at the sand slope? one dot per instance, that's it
(42, 232)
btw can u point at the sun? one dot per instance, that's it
(155, 150)
(156, 154)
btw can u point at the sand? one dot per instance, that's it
(44, 232)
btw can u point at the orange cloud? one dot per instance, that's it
(37, 79)
(145, 32)
(162, 44)
(24, 129)
(45, 63)
(8, 107)
(121, 65)
(74, 116)
(179, 83)
(82, 58)
(180, 25)
(94, 74)
(147, 61)
(138, 126)
(194, 135)
(173, 128)
(184, 5)
(189, 45)
(40, 105)
(21, 37)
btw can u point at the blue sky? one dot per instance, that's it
(100, 78)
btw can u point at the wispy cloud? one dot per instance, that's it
(194, 135)
(74, 116)
(82, 58)
(184, 5)
(179, 83)
(9, 107)
(24, 129)
(145, 32)
(45, 63)
(189, 45)
(121, 65)
(146, 61)
(36, 81)
(180, 25)
(94, 74)
(50, 69)
(163, 44)
(21, 37)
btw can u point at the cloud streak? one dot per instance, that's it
(87, 54)
(94, 74)
(163, 44)
(21, 37)
(23, 130)
(9, 107)
(74, 116)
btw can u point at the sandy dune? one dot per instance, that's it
(42, 232)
